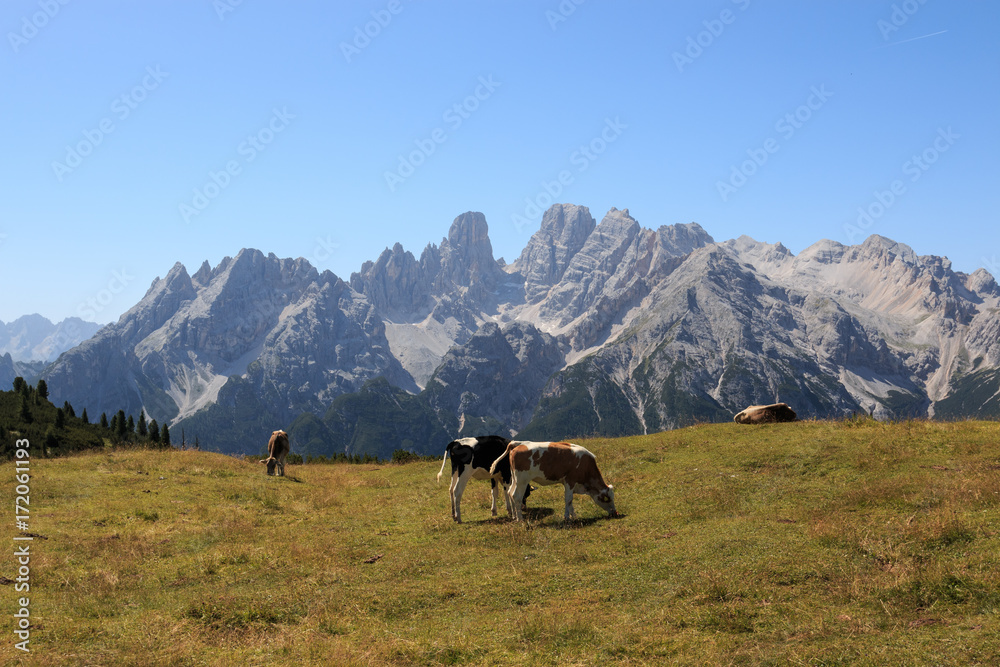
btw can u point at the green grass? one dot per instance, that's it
(813, 543)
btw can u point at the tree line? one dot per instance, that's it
(26, 412)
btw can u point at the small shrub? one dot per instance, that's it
(403, 456)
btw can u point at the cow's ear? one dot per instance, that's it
(610, 487)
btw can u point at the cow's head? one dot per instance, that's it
(271, 463)
(605, 498)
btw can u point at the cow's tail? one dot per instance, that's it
(443, 462)
(510, 445)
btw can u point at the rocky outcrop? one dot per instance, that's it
(495, 379)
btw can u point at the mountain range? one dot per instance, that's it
(607, 328)
(30, 343)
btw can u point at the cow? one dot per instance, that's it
(766, 414)
(277, 450)
(555, 463)
(472, 458)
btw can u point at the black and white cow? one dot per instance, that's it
(471, 458)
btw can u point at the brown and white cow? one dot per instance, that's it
(277, 450)
(556, 463)
(766, 414)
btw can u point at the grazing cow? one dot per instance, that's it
(555, 463)
(471, 458)
(766, 414)
(277, 450)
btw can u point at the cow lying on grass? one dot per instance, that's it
(555, 463)
(277, 450)
(766, 414)
(472, 458)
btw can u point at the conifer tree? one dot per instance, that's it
(130, 426)
(84, 417)
(43, 389)
(154, 431)
(68, 409)
(165, 435)
(60, 419)
(121, 426)
(25, 413)
(104, 420)
(19, 384)
(141, 426)
(51, 441)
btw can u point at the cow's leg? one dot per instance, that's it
(516, 494)
(493, 496)
(281, 467)
(463, 479)
(570, 513)
(451, 493)
(507, 490)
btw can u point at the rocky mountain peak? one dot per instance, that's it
(564, 230)
(682, 239)
(204, 274)
(618, 223)
(470, 234)
(885, 251)
(467, 257)
(394, 283)
(824, 251)
(982, 282)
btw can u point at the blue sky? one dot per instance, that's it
(139, 134)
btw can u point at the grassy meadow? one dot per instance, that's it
(812, 543)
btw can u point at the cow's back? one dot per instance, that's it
(278, 444)
(556, 462)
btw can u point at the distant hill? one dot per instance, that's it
(595, 329)
(35, 338)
